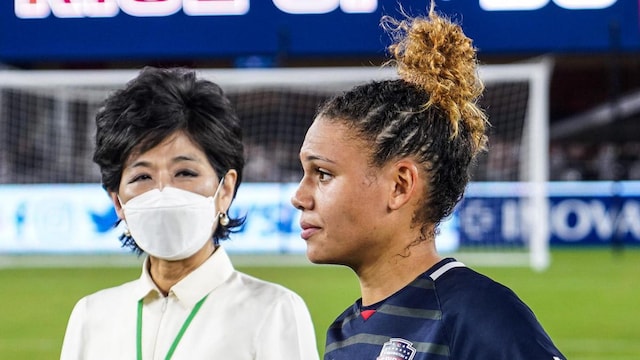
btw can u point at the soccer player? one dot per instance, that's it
(383, 164)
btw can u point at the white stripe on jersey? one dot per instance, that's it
(446, 267)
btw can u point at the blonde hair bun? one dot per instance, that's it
(434, 54)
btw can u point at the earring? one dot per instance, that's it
(126, 233)
(224, 219)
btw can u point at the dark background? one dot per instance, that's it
(596, 51)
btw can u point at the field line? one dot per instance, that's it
(7, 261)
(131, 260)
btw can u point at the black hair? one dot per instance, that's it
(153, 106)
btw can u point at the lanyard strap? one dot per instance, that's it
(178, 337)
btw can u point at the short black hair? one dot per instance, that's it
(156, 104)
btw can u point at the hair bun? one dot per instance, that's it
(433, 53)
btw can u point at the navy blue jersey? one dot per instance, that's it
(448, 312)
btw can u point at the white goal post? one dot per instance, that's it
(47, 125)
(535, 162)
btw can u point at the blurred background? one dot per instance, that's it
(554, 206)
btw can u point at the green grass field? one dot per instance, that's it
(588, 301)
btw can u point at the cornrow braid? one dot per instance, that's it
(430, 114)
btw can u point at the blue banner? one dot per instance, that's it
(112, 30)
(80, 218)
(580, 213)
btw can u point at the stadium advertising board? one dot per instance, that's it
(80, 218)
(580, 213)
(103, 30)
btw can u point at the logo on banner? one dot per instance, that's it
(397, 349)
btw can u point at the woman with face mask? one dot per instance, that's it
(170, 152)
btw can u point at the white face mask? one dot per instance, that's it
(171, 224)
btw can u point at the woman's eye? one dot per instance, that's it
(186, 173)
(139, 178)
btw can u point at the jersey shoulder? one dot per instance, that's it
(481, 313)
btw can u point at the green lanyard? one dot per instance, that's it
(178, 337)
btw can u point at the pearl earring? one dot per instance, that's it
(224, 219)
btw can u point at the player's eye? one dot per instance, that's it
(323, 175)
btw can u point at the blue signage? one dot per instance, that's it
(151, 30)
(580, 213)
(80, 218)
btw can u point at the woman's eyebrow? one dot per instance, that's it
(313, 157)
(177, 159)
(180, 158)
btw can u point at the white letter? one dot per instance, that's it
(150, 7)
(629, 219)
(560, 216)
(584, 4)
(66, 8)
(511, 215)
(358, 6)
(208, 7)
(604, 219)
(101, 8)
(306, 6)
(509, 5)
(32, 9)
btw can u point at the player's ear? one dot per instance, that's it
(405, 178)
(116, 204)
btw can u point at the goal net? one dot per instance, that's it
(47, 129)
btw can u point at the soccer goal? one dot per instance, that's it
(47, 127)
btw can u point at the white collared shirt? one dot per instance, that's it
(242, 318)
